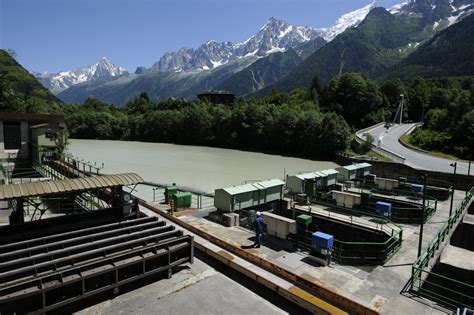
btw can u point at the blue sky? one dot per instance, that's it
(57, 35)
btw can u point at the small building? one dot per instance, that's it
(248, 195)
(353, 171)
(217, 97)
(347, 172)
(363, 170)
(47, 140)
(18, 140)
(329, 177)
(296, 183)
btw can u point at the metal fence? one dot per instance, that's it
(444, 290)
(357, 253)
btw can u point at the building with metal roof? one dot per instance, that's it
(248, 195)
(217, 97)
(299, 183)
(329, 177)
(353, 171)
(18, 132)
(42, 188)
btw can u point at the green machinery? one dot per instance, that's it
(169, 192)
(177, 199)
(182, 199)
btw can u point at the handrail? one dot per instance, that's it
(424, 258)
(418, 267)
(355, 220)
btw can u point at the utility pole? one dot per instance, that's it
(455, 164)
(401, 108)
(420, 242)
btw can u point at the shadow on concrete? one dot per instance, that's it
(274, 243)
(246, 246)
(413, 295)
(112, 293)
(312, 262)
(253, 286)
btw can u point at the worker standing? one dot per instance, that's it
(328, 257)
(258, 224)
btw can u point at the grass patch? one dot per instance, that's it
(370, 153)
(406, 139)
(378, 156)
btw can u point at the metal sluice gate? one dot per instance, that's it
(44, 273)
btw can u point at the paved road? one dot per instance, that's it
(389, 140)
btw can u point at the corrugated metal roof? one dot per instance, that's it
(352, 167)
(235, 190)
(329, 172)
(321, 174)
(307, 175)
(365, 165)
(15, 116)
(270, 183)
(67, 185)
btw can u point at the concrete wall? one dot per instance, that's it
(2, 140)
(23, 153)
(462, 182)
(463, 236)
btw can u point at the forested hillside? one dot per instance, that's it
(448, 53)
(20, 91)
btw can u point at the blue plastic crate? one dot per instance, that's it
(320, 240)
(416, 188)
(383, 208)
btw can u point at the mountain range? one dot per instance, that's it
(380, 42)
(104, 69)
(370, 40)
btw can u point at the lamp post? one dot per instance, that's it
(455, 164)
(420, 242)
(401, 108)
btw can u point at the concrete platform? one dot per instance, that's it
(200, 288)
(376, 287)
(458, 257)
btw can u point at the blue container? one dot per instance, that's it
(383, 208)
(416, 188)
(320, 240)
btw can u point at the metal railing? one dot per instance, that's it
(365, 253)
(399, 214)
(354, 253)
(419, 281)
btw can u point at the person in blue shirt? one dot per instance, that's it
(258, 225)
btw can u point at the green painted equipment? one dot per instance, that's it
(304, 219)
(182, 199)
(170, 191)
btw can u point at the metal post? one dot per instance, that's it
(469, 168)
(453, 189)
(420, 242)
(401, 108)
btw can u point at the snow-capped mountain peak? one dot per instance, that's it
(103, 69)
(442, 13)
(275, 35)
(347, 20)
